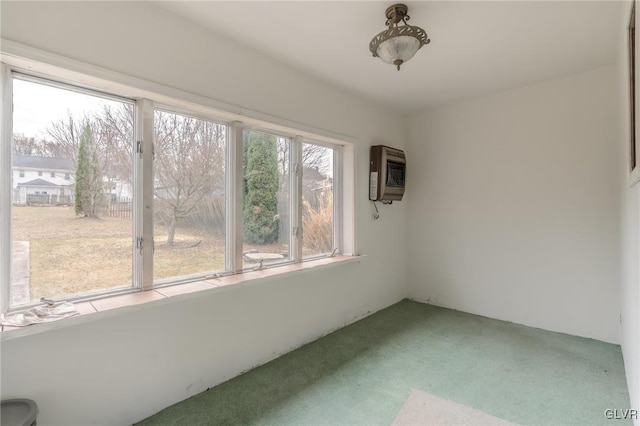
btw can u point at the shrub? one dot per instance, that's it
(89, 197)
(261, 222)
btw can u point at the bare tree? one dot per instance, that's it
(65, 137)
(112, 135)
(23, 145)
(114, 132)
(189, 155)
(313, 157)
(189, 164)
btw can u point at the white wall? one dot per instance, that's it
(630, 230)
(120, 369)
(514, 205)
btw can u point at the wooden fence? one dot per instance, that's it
(50, 199)
(122, 208)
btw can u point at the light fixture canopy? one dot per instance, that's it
(398, 43)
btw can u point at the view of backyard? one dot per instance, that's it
(70, 254)
(73, 180)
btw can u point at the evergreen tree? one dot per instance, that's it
(261, 187)
(88, 191)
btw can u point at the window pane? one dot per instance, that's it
(266, 202)
(189, 206)
(72, 193)
(317, 200)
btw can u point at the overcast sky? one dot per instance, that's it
(36, 106)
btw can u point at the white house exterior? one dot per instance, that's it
(48, 180)
(42, 179)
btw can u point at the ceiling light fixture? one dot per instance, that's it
(398, 44)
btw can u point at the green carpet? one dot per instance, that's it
(363, 374)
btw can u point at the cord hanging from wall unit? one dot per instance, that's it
(376, 215)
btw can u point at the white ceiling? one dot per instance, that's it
(477, 47)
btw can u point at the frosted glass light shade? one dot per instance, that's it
(398, 43)
(398, 48)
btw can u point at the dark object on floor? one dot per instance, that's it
(18, 412)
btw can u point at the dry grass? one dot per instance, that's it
(317, 225)
(73, 255)
(54, 222)
(182, 258)
(64, 266)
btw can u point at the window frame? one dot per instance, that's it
(142, 236)
(10, 73)
(293, 208)
(6, 128)
(338, 156)
(168, 108)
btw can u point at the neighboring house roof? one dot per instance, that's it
(43, 163)
(311, 174)
(313, 179)
(38, 182)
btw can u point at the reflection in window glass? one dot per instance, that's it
(266, 204)
(189, 206)
(317, 200)
(70, 235)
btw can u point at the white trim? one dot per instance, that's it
(145, 135)
(196, 115)
(349, 190)
(6, 176)
(138, 219)
(338, 173)
(36, 61)
(633, 176)
(233, 255)
(295, 193)
(45, 80)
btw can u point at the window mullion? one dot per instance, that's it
(143, 199)
(233, 259)
(296, 198)
(337, 200)
(348, 192)
(6, 133)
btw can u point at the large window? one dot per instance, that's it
(189, 196)
(69, 238)
(138, 194)
(318, 210)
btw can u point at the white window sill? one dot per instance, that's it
(96, 309)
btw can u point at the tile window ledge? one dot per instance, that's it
(131, 301)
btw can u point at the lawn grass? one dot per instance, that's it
(63, 266)
(72, 255)
(181, 258)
